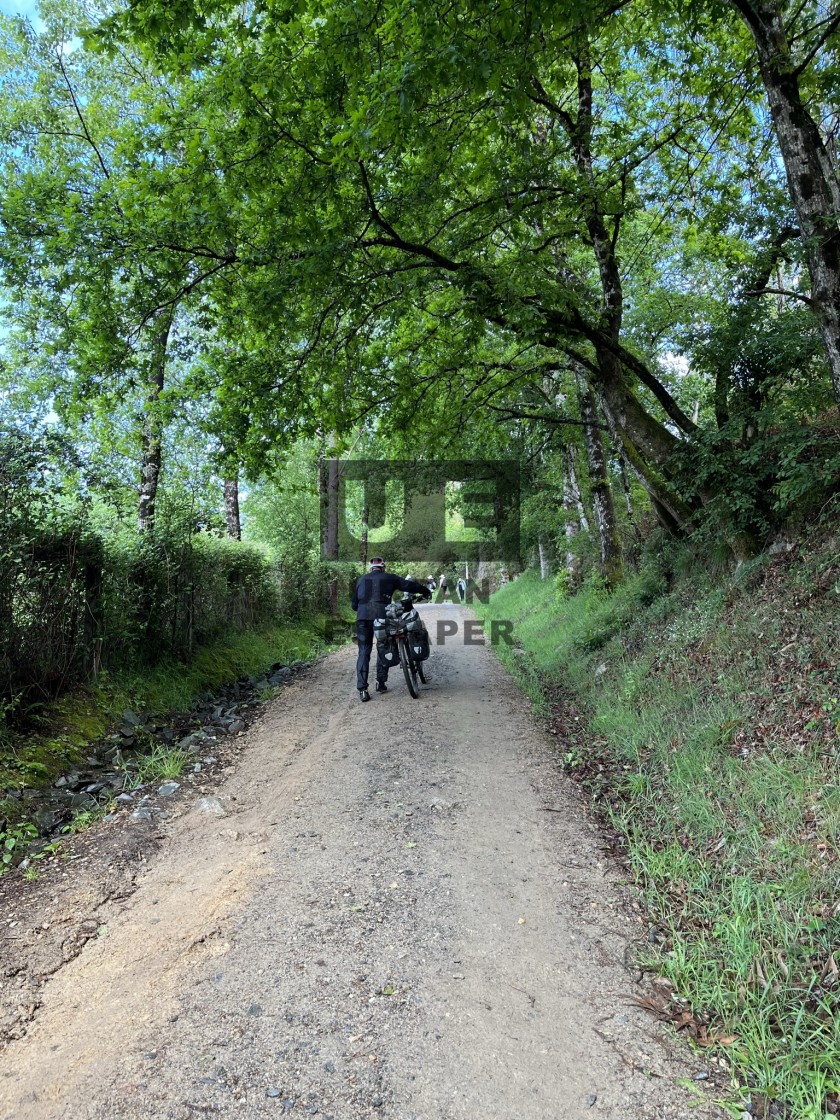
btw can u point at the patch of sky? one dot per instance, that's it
(29, 9)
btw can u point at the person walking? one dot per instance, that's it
(462, 588)
(370, 597)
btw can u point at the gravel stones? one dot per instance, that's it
(212, 806)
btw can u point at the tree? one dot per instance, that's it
(787, 44)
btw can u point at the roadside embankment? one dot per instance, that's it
(96, 750)
(701, 715)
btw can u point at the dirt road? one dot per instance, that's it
(387, 922)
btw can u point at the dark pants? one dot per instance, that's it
(364, 636)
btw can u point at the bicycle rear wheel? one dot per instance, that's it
(408, 669)
(420, 672)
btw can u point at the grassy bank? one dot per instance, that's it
(65, 728)
(704, 715)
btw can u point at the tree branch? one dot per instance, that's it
(394, 241)
(82, 121)
(781, 292)
(831, 25)
(543, 417)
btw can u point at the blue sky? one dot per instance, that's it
(27, 8)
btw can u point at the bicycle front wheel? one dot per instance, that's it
(409, 672)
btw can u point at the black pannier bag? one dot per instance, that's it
(385, 646)
(418, 636)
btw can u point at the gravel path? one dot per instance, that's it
(385, 923)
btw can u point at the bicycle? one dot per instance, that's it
(404, 628)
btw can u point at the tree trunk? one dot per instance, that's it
(545, 570)
(628, 498)
(571, 506)
(670, 509)
(651, 439)
(812, 178)
(330, 483)
(233, 523)
(152, 436)
(570, 477)
(603, 508)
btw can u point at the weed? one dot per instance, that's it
(160, 764)
(14, 840)
(87, 817)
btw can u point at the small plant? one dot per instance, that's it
(31, 873)
(52, 849)
(162, 763)
(86, 818)
(572, 759)
(14, 840)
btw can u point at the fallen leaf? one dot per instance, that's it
(520, 922)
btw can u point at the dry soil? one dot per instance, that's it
(404, 913)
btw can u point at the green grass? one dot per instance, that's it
(69, 725)
(161, 764)
(712, 709)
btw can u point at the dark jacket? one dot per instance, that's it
(373, 592)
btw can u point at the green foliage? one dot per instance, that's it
(86, 818)
(14, 840)
(160, 764)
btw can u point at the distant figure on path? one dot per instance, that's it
(462, 588)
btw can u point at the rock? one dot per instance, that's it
(255, 1009)
(44, 820)
(599, 672)
(329, 1067)
(60, 782)
(142, 814)
(125, 797)
(212, 806)
(235, 727)
(272, 1092)
(168, 788)
(131, 718)
(780, 546)
(591, 1099)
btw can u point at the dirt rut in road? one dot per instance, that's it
(386, 923)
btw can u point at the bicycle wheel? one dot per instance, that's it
(420, 672)
(408, 669)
